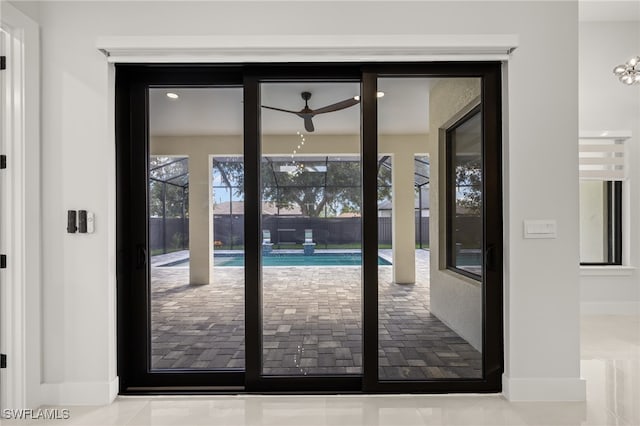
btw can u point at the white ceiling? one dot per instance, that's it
(205, 111)
(609, 10)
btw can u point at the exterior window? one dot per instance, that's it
(600, 222)
(465, 196)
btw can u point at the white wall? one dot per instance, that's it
(541, 276)
(607, 104)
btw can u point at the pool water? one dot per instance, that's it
(469, 259)
(291, 259)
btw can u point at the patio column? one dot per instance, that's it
(403, 221)
(200, 221)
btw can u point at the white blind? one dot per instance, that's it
(602, 157)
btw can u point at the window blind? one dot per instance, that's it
(602, 157)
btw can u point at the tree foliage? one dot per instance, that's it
(469, 187)
(307, 186)
(312, 191)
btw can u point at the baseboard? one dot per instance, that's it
(610, 308)
(114, 388)
(79, 393)
(545, 389)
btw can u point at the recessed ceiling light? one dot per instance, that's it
(171, 95)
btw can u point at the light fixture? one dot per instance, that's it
(295, 168)
(172, 95)
(629, 73)
(378, 95)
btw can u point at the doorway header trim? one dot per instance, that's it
(308, 48)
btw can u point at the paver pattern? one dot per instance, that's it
(311, 323)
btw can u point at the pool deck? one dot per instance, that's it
(311, 323)
(163, 259)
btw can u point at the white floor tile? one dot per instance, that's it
(611, 366)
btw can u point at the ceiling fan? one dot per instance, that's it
(307, 113)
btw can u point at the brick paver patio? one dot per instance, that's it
(311, 323)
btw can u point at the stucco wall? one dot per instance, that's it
(455, 299)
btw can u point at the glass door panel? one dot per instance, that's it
(196, 229)
(429, 316)
(311, 229)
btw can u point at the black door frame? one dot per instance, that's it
(133, 271)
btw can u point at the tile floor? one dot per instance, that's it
(611, 366)
(311, 323)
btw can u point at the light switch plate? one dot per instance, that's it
(540, 229)
(90, 223)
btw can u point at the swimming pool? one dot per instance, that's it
(290, 259)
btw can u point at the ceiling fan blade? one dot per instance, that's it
(337, 106)
(308, 124)
(280, 109)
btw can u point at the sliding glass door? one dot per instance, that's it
(309, 228)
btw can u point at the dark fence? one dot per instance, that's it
(385, 226)
(385, 230)
(335, 230)
(422, 230)
(468, 231)
(166, 235)
(229, 231)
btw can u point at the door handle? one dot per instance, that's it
(141, 261)
(490, 257)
